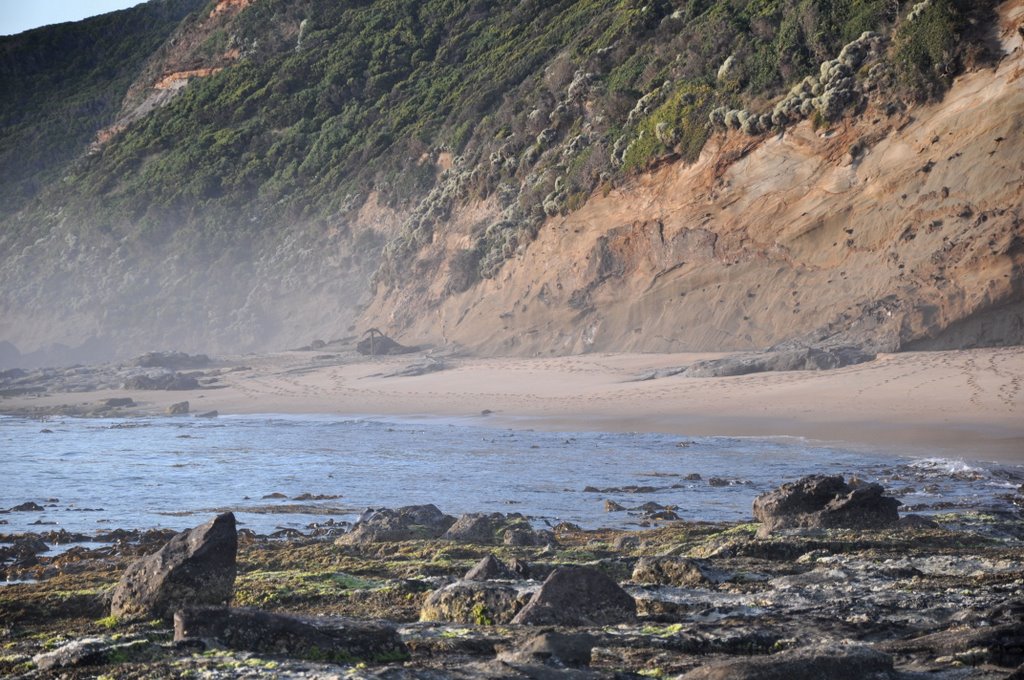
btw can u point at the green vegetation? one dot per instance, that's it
(537, 104)
(60, 84)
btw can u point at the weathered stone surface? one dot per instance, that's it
(799, 359)
(673, 571)
(172, 360)
(195, 567)
(314, 638)
(826, 662)
(820, 501)
(166, 381)
(480, 602)
(489, 568)
(179, 409)
(402, 524)
(92, 651)
(578, 596)
(552, 649)
(475, 527)
(1001, 645)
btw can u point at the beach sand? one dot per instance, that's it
(966, 403)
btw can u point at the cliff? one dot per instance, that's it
(523, 178)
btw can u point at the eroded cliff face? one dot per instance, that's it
(884, 231)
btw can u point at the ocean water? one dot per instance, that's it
(96, 475)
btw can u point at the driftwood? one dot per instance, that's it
(375, 343)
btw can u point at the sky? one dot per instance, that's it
(21, 15)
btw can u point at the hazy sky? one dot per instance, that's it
(20, 15)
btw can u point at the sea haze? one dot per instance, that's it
(287, 472)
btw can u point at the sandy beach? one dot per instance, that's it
(966, 403)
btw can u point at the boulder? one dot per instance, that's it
(195, 567)
(478, 602)
(119, 402)
(475, 527)
(407, 523)
(682, 572)
(27, 506)
(820, 501)
(822, 662)
(166, 381)
(179, 409)
(578, 596)
(313, 638)
(488, 569)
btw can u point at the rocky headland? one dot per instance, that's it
(831, 581)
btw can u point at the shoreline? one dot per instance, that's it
(961, 404)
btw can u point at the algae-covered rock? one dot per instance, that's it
(489, 568)
(314, 638)
(479, 602)
(195, 567)
(673, 571)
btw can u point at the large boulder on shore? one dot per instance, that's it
(578, 596)
(195, 567)
(820, 501)
(316, 639)
(407, 523)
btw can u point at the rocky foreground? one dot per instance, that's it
(830, 582)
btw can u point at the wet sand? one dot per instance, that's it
(966, 403)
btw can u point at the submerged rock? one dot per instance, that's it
(314, 638)
(578, 596)
(195, 567)
(820, 501)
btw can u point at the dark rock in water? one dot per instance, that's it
(820, 501)
(478, 602)
(171, 360)
(196, 567)
(179, 409)
(404, 524)
(674, 571)
(119, 402)
(93, 652)
(612, 506)
(489, 568)
(718, 482)
(27, 506)
(207, 414)
(578, 596)
(825, 662)
(316, 639)
(552, 649)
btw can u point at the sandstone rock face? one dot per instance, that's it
(820, 501)
(317, 639)
(478, 602)
(826, 662)
(578, 596)
(196, 567)
(402, 524)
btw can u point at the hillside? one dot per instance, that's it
(516, 177)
